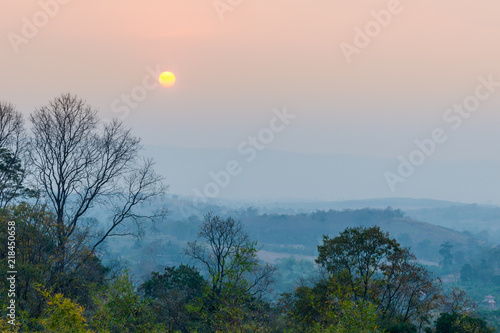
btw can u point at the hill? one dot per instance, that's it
(301, 233)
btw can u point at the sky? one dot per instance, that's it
(361, 78)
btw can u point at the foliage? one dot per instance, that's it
(457, 301)
(174, 295)
(34, 253)
(357, 317)
(456, 323)
(235, 277)
(36, 259)
(229, 257)
(374, 268)
(63, 315)
(492, 317)
(289, 271)
(183, 278)
(327, 307)
(401, 328)
(120, 309)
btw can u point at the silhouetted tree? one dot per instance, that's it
(226, 252)
(80, 163)
(12, 154)
(236, 278)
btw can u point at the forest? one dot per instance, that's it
(92, 242)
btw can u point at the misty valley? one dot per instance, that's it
(232, 166)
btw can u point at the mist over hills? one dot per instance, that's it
(295, 229)
(425, 216)
(288, 201)
(287, 176)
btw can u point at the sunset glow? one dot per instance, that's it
(167, 79)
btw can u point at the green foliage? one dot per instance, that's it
(327, 307)
(230, 309)
(358, 317)
(4, 322)
(457, 301)
(401, 328)
(492, 317)
(36, 259)
(359, 250)
(456, 323)
(63, 315)
(120, 309)
(482, 268)
(354, 317)
(305, 307)
(289, 271)
(371, 284)
(374, 268)
(236, 279)
(183, 278)
(174, 297)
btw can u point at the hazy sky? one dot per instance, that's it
(266, 54)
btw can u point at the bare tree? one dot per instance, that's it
(229, 257)
(12, 150)
(80, 163)
(11, 127)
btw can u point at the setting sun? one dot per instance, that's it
(167, 79)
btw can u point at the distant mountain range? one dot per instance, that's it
(480, 220)
(286, 176)
(405, 204)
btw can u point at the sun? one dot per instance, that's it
(167, 79)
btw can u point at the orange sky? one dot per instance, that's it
(265, 54)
